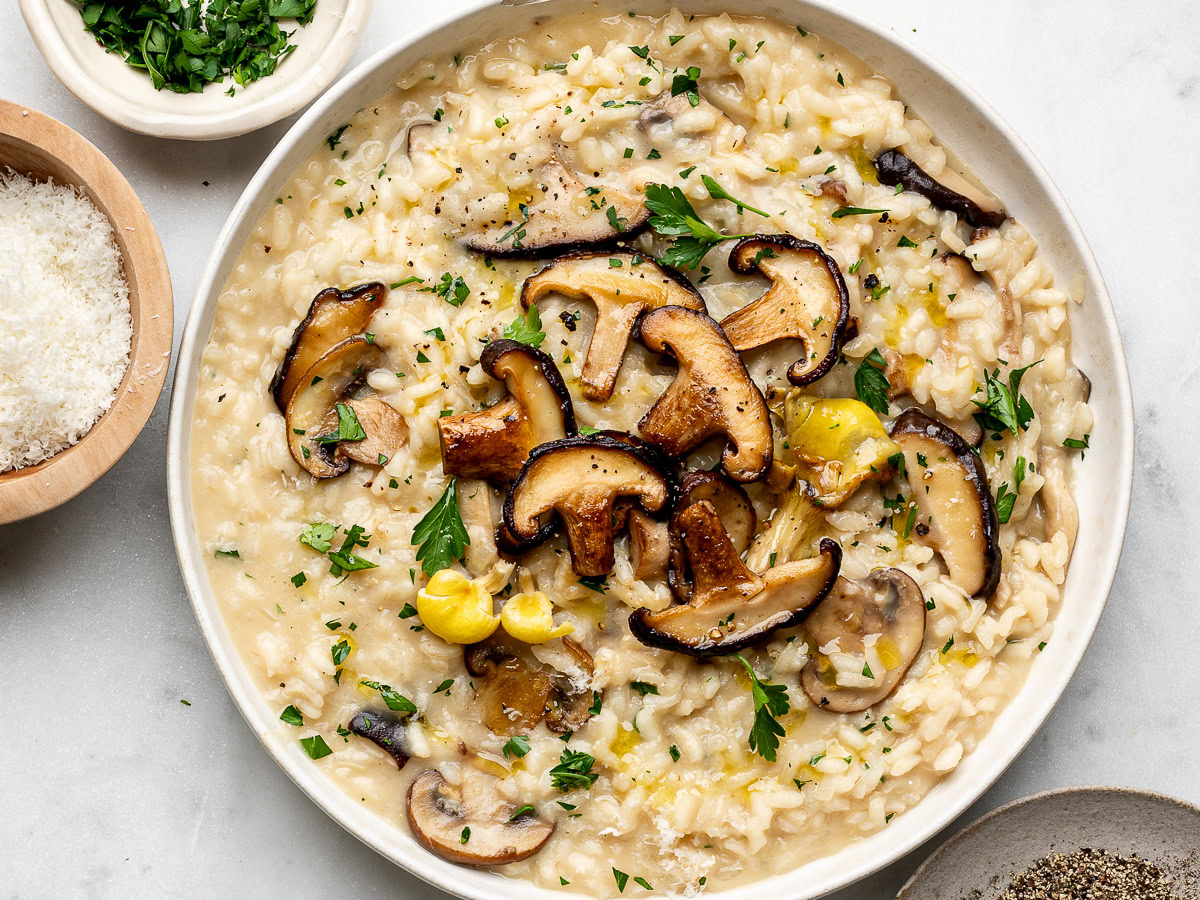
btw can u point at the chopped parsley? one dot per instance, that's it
(450, 288)
(1005, 407)
(856, 211)
(440, 536)
(770, 702)
(526, 330)
(644, 687)
(870, 384)
(719, 193)
(292, 716)
(686, 83)
(395, 701)
(315, 747)
(574, 770)
(517, 746)
(597, 583)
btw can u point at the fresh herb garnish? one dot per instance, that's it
(719, 193)
(1005, 407)
(687, 83)
(856, 211)
(1077, 444)
(770, 702)
(1006, 498)
(527, 330)
(574, 770)
(674, 751)
(291, 715)
(597, 583)
(230, 553)
(315, 747)
(870, 384)
(349, 428)
(521, 810)
(340, 651)
(621, 878)
(672, 215)
(644, 687)
(450, 288)
(395, 701)
(441, 535)
(517, 745)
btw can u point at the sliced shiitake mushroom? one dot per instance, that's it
(949, 191)
(733, 508)
(649, 546)
(954, 501)
(731, 607)
(384, 427)
(322, 387)
(711, 396)
(726, 136)
(493, 443)
(515, 691)
(469, 822)
(886, 603)
(807, 301)
(388, 732)
(623, 285)
(333, 316)
(569, 216)
(580, 479)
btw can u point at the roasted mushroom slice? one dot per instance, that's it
(493, 443)
(569, 216)
(580, 478)
(734, 509)
(711, 396)
(687, 119)
(886, 604)
(469, 822)
(389, 733)
(806, 301)
(649, 546)
(333, 316)
(516, 691)
(838, 444)
(321, 388)
(385, 430)
(731, 607)
(953, 501)
(623, 285)
(950, 191)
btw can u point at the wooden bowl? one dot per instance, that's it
(43, 148)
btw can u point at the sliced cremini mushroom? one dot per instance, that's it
(569, 216)
(493, 443)
(807, 301)
(687, 119)
(712, 395)
(332, 317)
(580, 479)
(623, 285)
(954, 503)
(838, 444)
(469, 822)
(388, 732)
(515, 691)
(649, 546)
(950, 191)
(733, 508)
(731, 607)
(887, 604)
(322, 387)
(384, 427)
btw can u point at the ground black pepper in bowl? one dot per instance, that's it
(1091, 875)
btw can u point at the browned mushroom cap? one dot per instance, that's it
(886, 603)
(567, 217)
(733, 508)
(385, 430)
(493, 443)
(952, 192)
(384, 730)
(953, 500)
(712, 395)
(649, 546)
(623, 285)
(580, 478)
(807, 301)
(333, 316)
(731, 607)
(516, 691)
(470, 822)
(671, 108)
(321, 388)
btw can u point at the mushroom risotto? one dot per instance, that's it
(670, 480)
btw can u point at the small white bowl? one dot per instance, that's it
(126, 96)
(962, 120)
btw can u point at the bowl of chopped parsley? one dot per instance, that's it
(192, 70)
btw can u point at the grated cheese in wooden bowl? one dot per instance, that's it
(65, 324)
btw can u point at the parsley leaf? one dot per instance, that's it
(719, 193)
(450, 288)
(527, 330)
(318, 535)
(673, 214)
(349, 428)
(856, 211)
(574, 770)
(621, 878)
(770, 701)
(1005, 407)
(292, 716)
(870, 384)
(395, 701)
(315, 747)
(597, 583)
(643, 687)
(517, 745)
(687, 83)
(441, 535)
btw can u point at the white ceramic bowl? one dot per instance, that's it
(989, 146)
(125, 96)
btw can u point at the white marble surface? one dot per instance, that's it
(110, 787)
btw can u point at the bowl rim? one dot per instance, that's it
(402, 850)
(35, 489)
(299, 86)
(949, 845)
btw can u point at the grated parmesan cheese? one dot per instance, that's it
(65, 325)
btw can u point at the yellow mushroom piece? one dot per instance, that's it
(530, 618)
(456, 609)
(838, 444)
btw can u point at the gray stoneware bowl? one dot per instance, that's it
(963, 121)
(980, 861)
